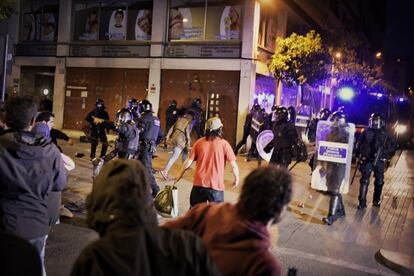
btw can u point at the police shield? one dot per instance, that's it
(263, 139)
(333, 156)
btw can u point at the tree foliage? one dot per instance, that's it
(351, 69)
(300, 59)
(7, 8)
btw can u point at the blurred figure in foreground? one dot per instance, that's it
(120, 209)
(236, 235)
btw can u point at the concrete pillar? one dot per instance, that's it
(11, 27)
(65, 15)
(248, 66)
(158, 35)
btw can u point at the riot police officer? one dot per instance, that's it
(375, 147)
(284, 138)
(311, 129)
(246, 131)
(335, 172)
(257, 125)
(147, 145)
(133, 106)
(97, 131)
(126, 144)
(199, 117)
(171, 115)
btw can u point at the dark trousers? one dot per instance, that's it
(96, 136)
(366, 169)
(281, 157)
(146, 159)
(242, 142)
(202, 194)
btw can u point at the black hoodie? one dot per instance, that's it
(31, 167)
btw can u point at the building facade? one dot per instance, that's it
(75, 51)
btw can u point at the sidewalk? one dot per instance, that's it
(301, 239)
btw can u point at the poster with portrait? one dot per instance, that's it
(230, 22)
(186, 23)
(90, 25)
(28, 30)
(117, 25)
(48, 27)
(143, 25)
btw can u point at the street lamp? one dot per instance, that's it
(378, 55)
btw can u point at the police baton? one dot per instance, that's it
(356, 170)
(291, 168)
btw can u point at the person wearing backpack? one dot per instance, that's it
(179, 135)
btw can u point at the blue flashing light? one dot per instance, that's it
(346, 93)
(400, 99)
(379, 95)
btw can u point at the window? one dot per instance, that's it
(267, 31)
(39, 20)
(204, 20)
(112, 20)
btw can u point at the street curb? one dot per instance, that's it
(400, 263)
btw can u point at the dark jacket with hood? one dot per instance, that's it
(120, 209)
(237, 245)
(31, 167)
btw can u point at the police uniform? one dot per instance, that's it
(375, 147)
(335, 172)
(312, 127)
(97, 131)
(198, 117)
(147, 145)
(246, 132)
(171, 115)
(284, 138)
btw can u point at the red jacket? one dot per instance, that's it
(238, 246)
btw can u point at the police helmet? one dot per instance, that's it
(100, 104)
(324, 114)
(133, 104)
(196, 103)
(123, 116)
(338, 117)
(282, 114)
(376, 121)
(173, 103)
(256, 107)
(145, 106)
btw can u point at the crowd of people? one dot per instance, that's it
(209, 239)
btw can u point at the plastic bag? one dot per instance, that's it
(166, 201)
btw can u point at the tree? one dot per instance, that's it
(348, 68)
(300, 59)
(7, 8)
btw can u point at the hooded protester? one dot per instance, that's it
(120, 209)
(32, 167)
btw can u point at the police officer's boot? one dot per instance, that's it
(377, 195)
(104, 149)
(333, 207)
(363, 190)
(341, 208)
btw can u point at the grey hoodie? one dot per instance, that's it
(31, 168)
